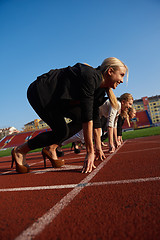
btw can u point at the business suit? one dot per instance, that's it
(120, 123)
(72, 92)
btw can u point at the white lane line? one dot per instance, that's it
(138, 180)
(77, 158)
(11, 171)
(63, 168)
(7, 172)
(41, 171)
(90, 184)
(48, 217)
(38, 188)
(31, 164)
(74, 158)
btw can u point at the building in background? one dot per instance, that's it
(7, 131)
(38, 124)
(152, 107)
(35, 125)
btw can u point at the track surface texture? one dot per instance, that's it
(120, 199)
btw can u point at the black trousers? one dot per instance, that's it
(54, 115)
(104, 128)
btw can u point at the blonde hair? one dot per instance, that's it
(114, 63)
(126, 97)
(112, 98)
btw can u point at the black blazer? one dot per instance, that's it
(120, 123)
(79, 83)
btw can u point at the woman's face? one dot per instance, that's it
(114, 77)
(125, 105)
(133, 113)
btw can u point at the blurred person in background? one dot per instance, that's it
(131, 113)
(110, 115)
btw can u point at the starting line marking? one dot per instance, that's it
(63, 168)
(32, 164)
(38, 226)
(89, 184)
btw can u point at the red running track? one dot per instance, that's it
(118, 200)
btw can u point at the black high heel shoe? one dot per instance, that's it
(76, 150)
(56, 163)
(19, 168)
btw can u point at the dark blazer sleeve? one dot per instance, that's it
(119, 125)
(87, 97)
(90, 95)
(99, 99)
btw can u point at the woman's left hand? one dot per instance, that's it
(88, 163)
(99, 155)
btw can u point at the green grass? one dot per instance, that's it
(145, 132)
(7, 152)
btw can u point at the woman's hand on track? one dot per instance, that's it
(111, 149)
(88, 163)
(99, 155)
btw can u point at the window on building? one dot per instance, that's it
(28, 137)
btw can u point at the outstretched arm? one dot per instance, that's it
(117, 144)
(88, 137)
(110, 140)
(97, 139)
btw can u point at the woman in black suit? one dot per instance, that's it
(74, 92)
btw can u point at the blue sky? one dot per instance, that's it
(39, 35)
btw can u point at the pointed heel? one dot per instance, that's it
(73, 145)
(13, 160)
(44, 158)
(56, 163)
(76, 150)
(19, 168)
